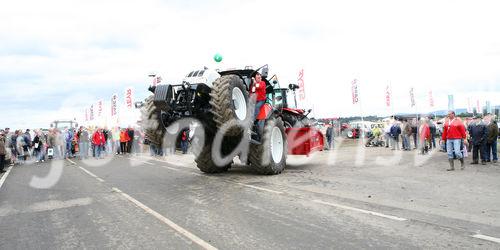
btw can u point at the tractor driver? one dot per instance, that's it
(259, 90)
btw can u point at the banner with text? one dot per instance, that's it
(300, 80)
(355, 91)
(129, 98)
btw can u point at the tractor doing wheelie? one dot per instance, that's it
(219, 106)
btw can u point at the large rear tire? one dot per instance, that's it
(270, 156)
(229, 100)
(205, 163)
(151, 124)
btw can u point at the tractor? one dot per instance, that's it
(219, 102)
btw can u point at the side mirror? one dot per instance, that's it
(293, 87)
(139, 105)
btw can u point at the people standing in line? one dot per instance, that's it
(425, 136)
(433, 132)
(39, 143)
(491, 140)
(83, 143)
(130, 142)
(454, 135)
(184, 140)
(98, 140)
(124, 139)
(387, 134)
(13, 147)
(329, 136)
(3, 151)
(27, 144)
(20, 146)
(395, 133)
(406, 133)
(116, 140)
(414, 132)
(478, 132)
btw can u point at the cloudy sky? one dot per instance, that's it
(58, 57)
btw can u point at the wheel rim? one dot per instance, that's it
(239, 103)
(276, 145)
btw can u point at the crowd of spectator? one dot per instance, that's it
(84, 142)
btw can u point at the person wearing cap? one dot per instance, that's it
(454, 134)
(491, 140)
(478, 132)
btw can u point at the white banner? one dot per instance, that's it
(129, 98)
(387, 96)
(469, 106)
(300, 80)
(431, 99)
(99, 108)
(412, 97)
(91, 117)
(355, 91)
(114, 103)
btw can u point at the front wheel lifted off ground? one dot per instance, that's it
(270, 156)
(229, 100)
(151, 123)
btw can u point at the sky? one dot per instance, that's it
(59, 57)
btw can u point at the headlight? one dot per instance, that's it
(186, 85)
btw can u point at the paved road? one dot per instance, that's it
(150, 203)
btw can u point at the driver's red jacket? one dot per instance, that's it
(259, 89)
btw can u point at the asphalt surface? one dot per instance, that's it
(141, 202)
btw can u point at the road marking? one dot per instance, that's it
(360, 210)
(258, 188)
(486, 237)
(145, 162)
(43, 206)
(170, 223)
(88, 172)
(4, 176)
(174, 169)
(99, 179)
(72, 162)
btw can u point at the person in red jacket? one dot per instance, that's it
(425, 135)
(453, 135)
(258, 90)
(98, 140)
(124, 139)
